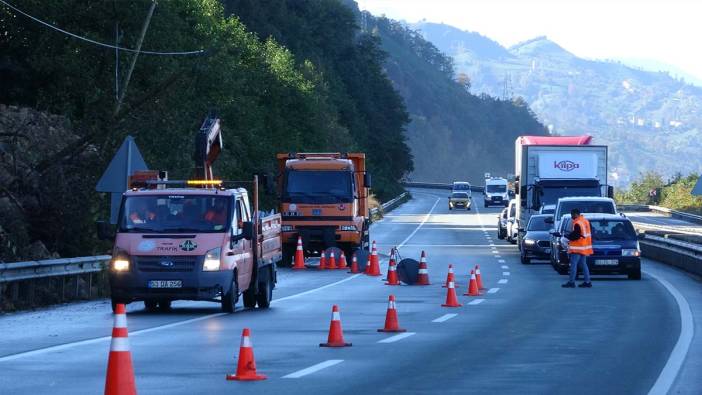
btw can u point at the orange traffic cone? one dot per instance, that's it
(478, 278)
(120, 372)
(368, 266)
(246, 367)
(354, 264)
(336, 334)
(322, 261)
(392, 273)
(299, 256)
(374, 262)
(391, 323)
(472, 286)
(342, 261)
(451, 298)
(332, 261)
(450, 277)
(423, 276)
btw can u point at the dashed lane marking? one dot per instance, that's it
(503, 281)
(426, 218)
(396, 338)
(498, 256)
(444, 317)
(313, 368)
(493, 290)
(505, 273)
(501, 261)
(505, 267)
(476, 301)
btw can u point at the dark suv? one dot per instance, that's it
(614, 243)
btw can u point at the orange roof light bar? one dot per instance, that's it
(204, 182)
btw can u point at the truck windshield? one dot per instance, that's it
(600, 207)
(321, 187)
(175, 214)
(495, 188)
(612, 230)
(551, 195)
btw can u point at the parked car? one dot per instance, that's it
(536, 243)
(512, 227)
(459, 200)
(548, 209)
(615, 247)
(502, 224)
(586, 204)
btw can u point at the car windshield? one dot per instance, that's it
(538, 223)
(496, 188)
(599, 207)
(612, 230)
(459, 195)
(175, 214)
(461, 186)
(319, 186)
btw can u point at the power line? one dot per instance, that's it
(198, 52)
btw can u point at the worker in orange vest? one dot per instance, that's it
(579, 248)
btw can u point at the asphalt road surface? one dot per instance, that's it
(524, 335)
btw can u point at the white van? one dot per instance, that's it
(461, 186)
(495, 192)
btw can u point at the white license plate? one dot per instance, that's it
(547, 250)
(606, 262)
(165, 284)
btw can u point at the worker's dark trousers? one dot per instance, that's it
(575, 260)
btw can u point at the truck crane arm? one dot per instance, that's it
(208, 145)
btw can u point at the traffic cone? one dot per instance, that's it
(472, 286)
(336, 334)
(368, 266)
(342, 261)
(478, 278)
(451, 298)
(299, 256)
(120, 372)
(322, 261)
(423, 276)
(392, 273)
(332, 261)
(391, 323)
(449, 277)
(375, 262)
(246, 367)
(354, 265)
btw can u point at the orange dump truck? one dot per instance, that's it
(324, 199)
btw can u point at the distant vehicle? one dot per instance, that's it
(551, 167)
(461, 186)
(512, 227)
(502, 224)
(548, 209)
(536, 243)
(459, 200)
(586, 204)
(495, 192)
(615, 247)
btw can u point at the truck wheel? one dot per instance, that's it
(249, 299)
(230, 298)
(635, 274)
(265, 291)
(288, 255)
(150, 304)
(164, 305)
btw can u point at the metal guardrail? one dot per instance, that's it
(17, 271)
(437, 185)
(663, 210)
(681, 254)
(389, 205)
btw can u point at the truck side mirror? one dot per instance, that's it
(247, 230)
(610, 191)
(105, 230)
(367, 180)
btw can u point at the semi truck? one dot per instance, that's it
(194, 239)
(550, 167)
(324, 200)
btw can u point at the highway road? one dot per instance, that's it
(525, 335)
(654, 220)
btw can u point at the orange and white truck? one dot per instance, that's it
(324, 200)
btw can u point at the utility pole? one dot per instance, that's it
(134, 59)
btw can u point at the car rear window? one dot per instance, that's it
(612, 230)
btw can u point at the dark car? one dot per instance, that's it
(615, 247)
(502, 224)
(536, 243)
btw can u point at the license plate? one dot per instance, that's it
(165, 284)
(316, 211)
(547, 250)
(606, 262)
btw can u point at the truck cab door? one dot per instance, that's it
(241, 248)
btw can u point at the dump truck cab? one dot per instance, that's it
(324, 200)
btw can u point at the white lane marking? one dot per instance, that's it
(444, 317)
(498, 256)
(677, 356)
(492, 245)
(504, 266)
(493, 290)
(500, 261)
(503, 281)
(451, 245)
(476, 301)
(426, 218)
(313, 368)
(396, 338)
(495, 252)
(505, 273)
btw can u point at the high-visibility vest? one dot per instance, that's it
(583, 245)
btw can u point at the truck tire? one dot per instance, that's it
(635, 274)
(288, 255)
(230, 298)
(164, 305)
(265, 290)
(150, 304)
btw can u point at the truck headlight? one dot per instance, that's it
(631, 252)
(529, 242)
(212, 260)
(120, 264)
(348, 227)
(286, 228)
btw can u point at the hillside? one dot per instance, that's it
(649, 119)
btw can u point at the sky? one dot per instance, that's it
(638, 31)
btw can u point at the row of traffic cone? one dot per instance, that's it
(299, 262)
(475, 284)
